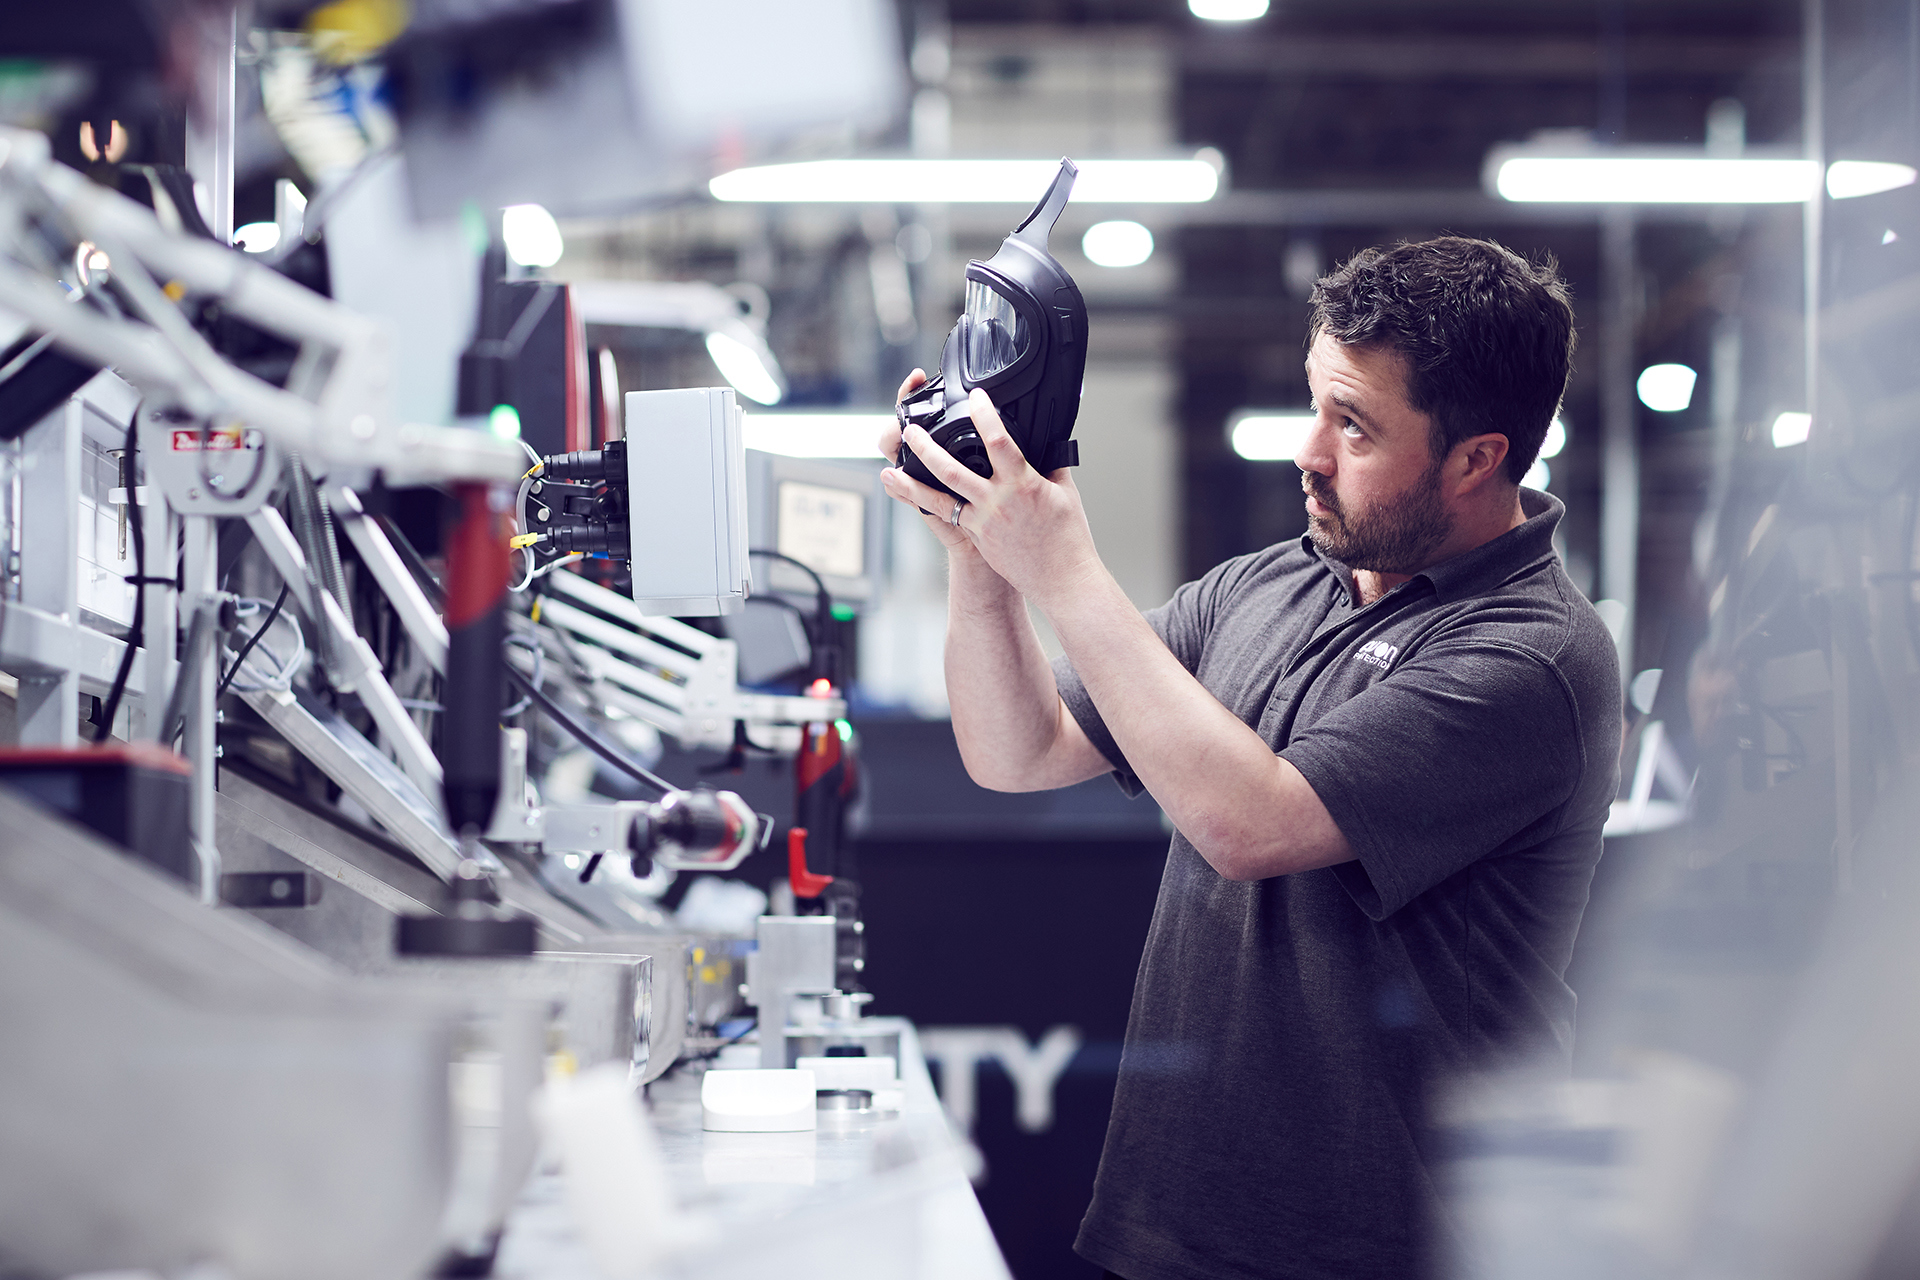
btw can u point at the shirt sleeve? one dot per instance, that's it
(1465, 746)
(1182, 624)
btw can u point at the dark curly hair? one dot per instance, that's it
(1487, 336)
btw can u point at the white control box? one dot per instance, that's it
(687, 496)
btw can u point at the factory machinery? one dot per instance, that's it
(304, 892)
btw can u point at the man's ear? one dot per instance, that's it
(1480, 460)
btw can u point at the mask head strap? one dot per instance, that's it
(1039, 224)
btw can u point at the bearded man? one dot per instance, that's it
(1387, 749)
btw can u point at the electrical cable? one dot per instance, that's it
(527, 482)
(819, 583)
(252, 640)
(520, 587)
(588, 738)
(547, 568)
(824, 657)
(539, 677)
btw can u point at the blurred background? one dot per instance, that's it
(1736, 452)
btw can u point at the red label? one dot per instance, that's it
(187, 439)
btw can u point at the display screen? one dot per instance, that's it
(824, 528)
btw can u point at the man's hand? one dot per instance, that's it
(1029, 528)
(933, 511)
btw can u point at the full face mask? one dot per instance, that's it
(1023, 337)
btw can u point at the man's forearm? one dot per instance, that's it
(1005, 709)
(1249, 813)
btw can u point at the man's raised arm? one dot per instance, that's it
(1014, 732)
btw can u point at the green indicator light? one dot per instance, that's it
(843, 613)
(846, 730)
(504, 422)
(473, 227)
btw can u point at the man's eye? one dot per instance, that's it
(1352, 429)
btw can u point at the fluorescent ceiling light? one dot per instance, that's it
(1849, 178)
(738, 348)
(532, 236)
(741, 365)
(1556, 439)
(1270, 437)
(257, 237)
(817, 435)
(1228, 10)
(1790, 429)
(1538, 476)
(1117, 244)
(967, 182)
(1616, 179)
(1666, 388)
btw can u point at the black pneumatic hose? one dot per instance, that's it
(587, 737)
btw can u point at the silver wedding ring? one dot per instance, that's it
(954, 519)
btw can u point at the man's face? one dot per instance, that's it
(1372, 482)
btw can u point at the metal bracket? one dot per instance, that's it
(361, 673)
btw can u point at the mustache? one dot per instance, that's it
(1312, 482)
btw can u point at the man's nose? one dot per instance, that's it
(1316, 451)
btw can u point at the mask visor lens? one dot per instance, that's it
(996, 334)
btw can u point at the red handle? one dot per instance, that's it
(805, 883)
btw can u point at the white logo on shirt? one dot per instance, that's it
(1378, 653)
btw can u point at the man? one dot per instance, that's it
(1387, 749)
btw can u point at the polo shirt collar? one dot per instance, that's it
(1487, 565)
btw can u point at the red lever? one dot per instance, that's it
(805, 883)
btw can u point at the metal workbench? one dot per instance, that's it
(886, 1198)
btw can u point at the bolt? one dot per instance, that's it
(193, 495)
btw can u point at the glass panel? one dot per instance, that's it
(996, 335)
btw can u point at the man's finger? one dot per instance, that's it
(1005, 454)
(890, 437)
(946, 469)
(905, 488)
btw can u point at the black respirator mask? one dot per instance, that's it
(1023, 337)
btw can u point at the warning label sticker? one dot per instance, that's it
(189, 439)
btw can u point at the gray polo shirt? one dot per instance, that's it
(1463, 730)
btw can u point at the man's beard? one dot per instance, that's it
(1396, 536)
